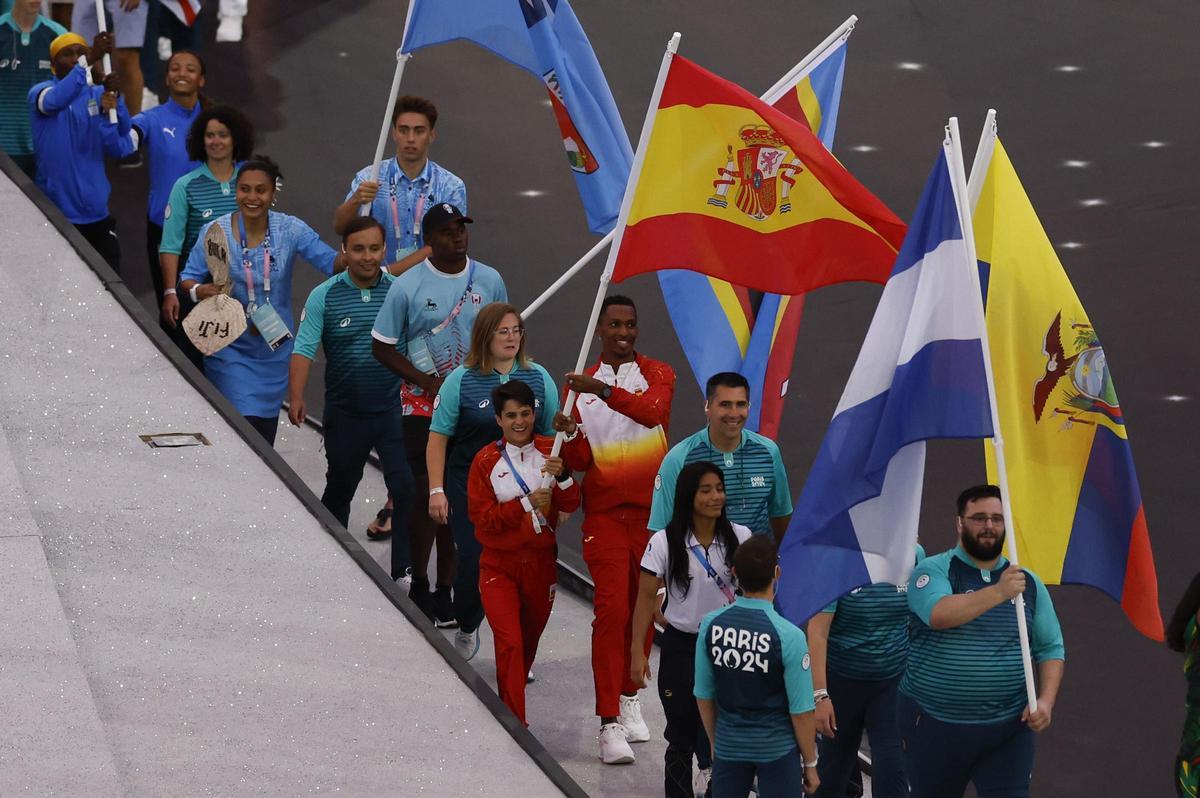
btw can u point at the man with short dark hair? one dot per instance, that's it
(412, 184)
(754, 688)
(362, 397)
(963, 708)
(618, 437)
(422, 333)
(756, 483)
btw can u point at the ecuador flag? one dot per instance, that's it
(738, 190)
(1074, 493)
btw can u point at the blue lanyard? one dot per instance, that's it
(698, 552)
(539, 519)
(248, 263)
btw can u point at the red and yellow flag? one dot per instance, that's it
(735, 189)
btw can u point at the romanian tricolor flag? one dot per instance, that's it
(738, 190)
(720, 326)
(1072, 485)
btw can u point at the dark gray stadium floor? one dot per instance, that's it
(1095, 107)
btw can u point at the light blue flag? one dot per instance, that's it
(545, 38)
(919, 376)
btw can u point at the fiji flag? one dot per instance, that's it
(720, 325)
(545, 38)
(919, 376)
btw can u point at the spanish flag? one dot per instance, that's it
(735, 189)
(1072, 485)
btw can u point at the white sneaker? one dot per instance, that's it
(700, 780)
(230, 29)
(405, 581)
(149, 100)
(614, 749)
(164, 49)
(466, 644)
(636, 730)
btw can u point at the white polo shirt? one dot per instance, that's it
(685, 612)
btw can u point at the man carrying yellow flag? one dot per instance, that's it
(1072, 486)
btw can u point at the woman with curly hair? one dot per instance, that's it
(220, 139)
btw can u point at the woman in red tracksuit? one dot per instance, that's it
(514, 518)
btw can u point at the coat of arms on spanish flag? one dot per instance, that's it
(735, 189)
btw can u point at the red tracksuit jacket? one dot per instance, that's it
(497, 505)
(623, 440)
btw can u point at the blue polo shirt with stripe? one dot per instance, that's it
(756, 483)
(972, 674)
(196, 199)
(463, 410)
(754, 664)
(24, 63)
(339, 315)
(868, 639)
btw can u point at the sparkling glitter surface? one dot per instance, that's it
(191, 629)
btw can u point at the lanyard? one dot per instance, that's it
(698, 552)
(462, 300)
(418, 213)
(539, 520)
(248, 263)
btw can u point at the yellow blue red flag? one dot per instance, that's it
(1073, 489)
(735, 189)
(720, 325)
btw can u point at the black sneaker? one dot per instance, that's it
(419, 594)
(443, 608)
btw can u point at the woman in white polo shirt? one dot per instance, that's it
(692, 559)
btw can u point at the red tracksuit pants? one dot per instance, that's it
(613, 545)
(517, 588)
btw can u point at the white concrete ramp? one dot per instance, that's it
(191, 628)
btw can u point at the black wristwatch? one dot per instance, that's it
(606, 394)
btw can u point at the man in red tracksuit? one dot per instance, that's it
(514, 519)
(623, 411)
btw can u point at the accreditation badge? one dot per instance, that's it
(270, 326)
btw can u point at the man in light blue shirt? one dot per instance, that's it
(407, 188)
(754, 686)
(422, 332)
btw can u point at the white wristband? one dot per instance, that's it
(436, 491)
(820, 692)
(812, 764)
(169, 292)
(192, 293)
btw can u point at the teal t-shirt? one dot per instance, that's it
(756, 483)
(463, 411)
(24, 63)
(754, 664)
(972, 674)
(339, 315)
(196, 199)
(868, 639)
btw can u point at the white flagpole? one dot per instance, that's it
(770, 96)
(958, 177)
(568, 274)
(102, 27)
(635, 172)
(401, 59)
(983, 159)
(809, 61)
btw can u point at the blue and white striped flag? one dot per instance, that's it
(919, 376)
